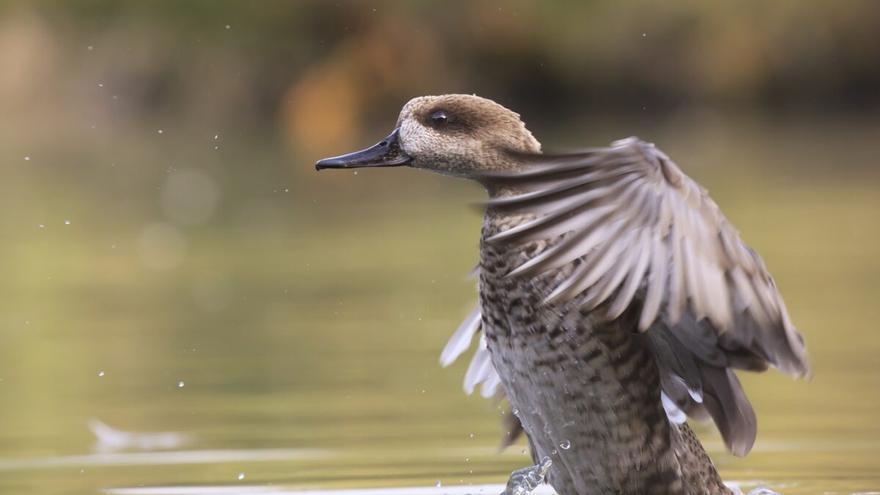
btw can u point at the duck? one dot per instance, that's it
(616, 301)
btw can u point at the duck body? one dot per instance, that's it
(615, 300)
(586, 391)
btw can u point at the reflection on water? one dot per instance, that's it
(306, 326)
(218, 490)
(215, 456)
(209, 490)
(108, 439)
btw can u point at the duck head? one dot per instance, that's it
(458, 135)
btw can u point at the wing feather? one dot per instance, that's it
(480, 368)
(657, 279)
(634, 277)
(461, 339)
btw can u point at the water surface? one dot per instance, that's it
(292, 339)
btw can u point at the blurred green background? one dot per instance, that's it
(172, 263)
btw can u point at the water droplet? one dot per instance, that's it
(42, 226)
(100, 85)
(90, 47)
(67, 222)
(471, 435)
(228, 26)
(240, 476)
(216, 137)
(644, 35)
(27, 158)
(565, 445)
(160, 131)
(101, 373)
(180, 384)
(438, 484)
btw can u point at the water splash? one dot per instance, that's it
(524, 481)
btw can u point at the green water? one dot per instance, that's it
(293, 337)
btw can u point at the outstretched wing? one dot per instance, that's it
(643, 235)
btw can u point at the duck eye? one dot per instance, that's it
(439, 117)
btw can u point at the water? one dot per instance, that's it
(306, 326)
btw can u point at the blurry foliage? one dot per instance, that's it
(112, 97)
(329, 68)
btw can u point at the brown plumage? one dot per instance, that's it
(614, 297)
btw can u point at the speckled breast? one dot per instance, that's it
(586, 391)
